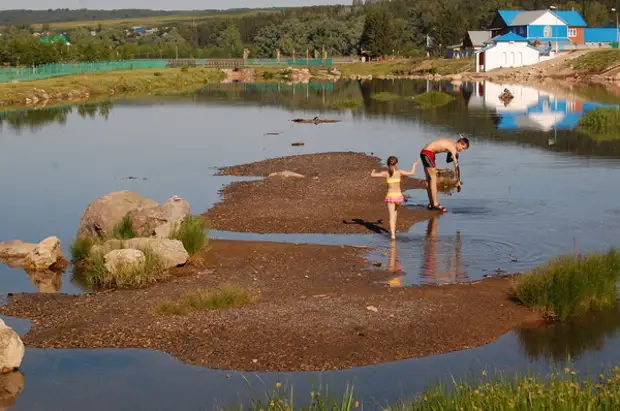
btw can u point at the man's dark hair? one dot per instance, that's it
(465, 141)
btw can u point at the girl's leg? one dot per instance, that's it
(392, 213)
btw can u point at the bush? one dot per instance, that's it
(158, 74)
(571, 285)
(228, 296)
(268, 75)
(80, 248)
(123, 230)
(191, 232)
(95, 274)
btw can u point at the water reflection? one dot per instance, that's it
(11, 385)
(45, 281)
(572, 338)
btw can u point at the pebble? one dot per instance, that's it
(372, 308)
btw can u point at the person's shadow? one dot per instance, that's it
(372, 226)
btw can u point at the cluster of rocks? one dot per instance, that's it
(152, 224)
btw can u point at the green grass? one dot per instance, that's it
(433, 99)
(227, 296)
(348, 103)
(191, 232)
(570, 286)
(95, 274)
(601, 123)
(123, 230)
(103, 85)
(596, 61)
(80, 248)
(385, 96)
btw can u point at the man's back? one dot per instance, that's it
(441, 145)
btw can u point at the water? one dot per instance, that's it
(531, 191)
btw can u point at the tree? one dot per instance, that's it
(377, 33)
(229, 40)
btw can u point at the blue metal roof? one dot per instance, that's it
(508, 15)
(571, 18)
(599, 35)
(510, 36)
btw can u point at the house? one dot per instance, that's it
(509, 50)
(475, 40)
(501, 22)
(576, 24)
(600, 36)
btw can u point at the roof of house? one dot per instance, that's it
(571, 17)
(525, 18)
(599, 35)
(508, 15)
(478, 38)
(510, 37)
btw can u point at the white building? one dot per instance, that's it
(509, 50)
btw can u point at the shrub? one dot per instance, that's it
(571, 285)
(123, 230)
(268, 75)
(158, 74)
(95, 273)
(80, 248)
(228, 296)
(191, 232)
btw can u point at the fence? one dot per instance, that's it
(8, 74)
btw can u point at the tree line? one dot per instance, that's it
(396, 27)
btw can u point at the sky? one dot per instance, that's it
(157, 4)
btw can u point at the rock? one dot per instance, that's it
(285, 174)
(45, 255)
(171, 252)
(103, 214)
(125, 257)
(11, 349)
(15, 249)
(372, 308)
(298, 143)
(11, 385)
(145, 220)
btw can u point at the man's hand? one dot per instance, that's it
(459, 184)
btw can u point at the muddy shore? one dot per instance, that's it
(310, 312)
(336, 195)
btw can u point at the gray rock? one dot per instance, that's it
(145, 220)
(104, 213)
(116, 259)
(171, 252)
(11, 349)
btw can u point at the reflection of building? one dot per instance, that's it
(530, 108)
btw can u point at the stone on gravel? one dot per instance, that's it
(104, 213)
(286, 174)
(123, 258)
(11, 349)
(171, 252)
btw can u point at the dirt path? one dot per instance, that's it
(311, 312)
(336, 195)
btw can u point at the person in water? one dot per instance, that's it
(427, 155)
(394, 196)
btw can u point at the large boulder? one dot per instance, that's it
(145, 221)
(123, 258)
(42, 256)
(103, 214)
(11, 385)
(171, 252)
(11, 349)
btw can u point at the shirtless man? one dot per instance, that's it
(427, 155)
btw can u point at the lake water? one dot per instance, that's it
(534, 188)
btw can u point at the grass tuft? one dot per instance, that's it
(569, 286)
(227, 296)
(433, 99)
(123, 230)
(95, 274)
(385, 96)
(348, 103)
(601, 123)
(191, 232)
(80, 248)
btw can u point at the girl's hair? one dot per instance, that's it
(391, 162)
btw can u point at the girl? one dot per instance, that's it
(394, 196)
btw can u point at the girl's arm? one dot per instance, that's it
(410, 172)
(374, 173)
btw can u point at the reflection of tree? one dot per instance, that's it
(572, 337)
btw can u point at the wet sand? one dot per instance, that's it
(310, 312)
(336, 195)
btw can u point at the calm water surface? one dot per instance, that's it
(534, 188)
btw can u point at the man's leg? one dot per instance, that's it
(432, 173)
(428, 186)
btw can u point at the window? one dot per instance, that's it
(572, 32)
(548, 32)
(522, 31)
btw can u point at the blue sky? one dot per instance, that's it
(158, 4)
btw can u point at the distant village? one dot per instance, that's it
(523, 37)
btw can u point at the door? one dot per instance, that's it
(519, 61)
(504, 59)
(512, 59)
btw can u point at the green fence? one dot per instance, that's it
(8, 74)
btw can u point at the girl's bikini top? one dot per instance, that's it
(391, 180)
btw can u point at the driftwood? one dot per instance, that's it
(315, 120)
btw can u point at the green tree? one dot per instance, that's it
(377, 33)
(229, 40)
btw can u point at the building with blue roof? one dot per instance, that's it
(599, 35)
